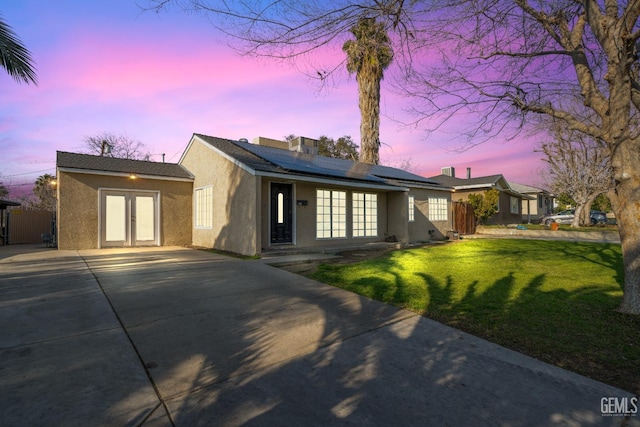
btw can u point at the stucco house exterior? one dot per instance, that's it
(273, 195)
(509, 202)
(245, 198)
(110, 202)
(540, 204)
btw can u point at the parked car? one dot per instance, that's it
(566, 217)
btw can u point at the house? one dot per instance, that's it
(245, 198)
(272, 195)
(541, 204)
(110, 202)
(509, 209)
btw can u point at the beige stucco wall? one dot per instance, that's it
(78, 204)
(236, 223)
(420, 227)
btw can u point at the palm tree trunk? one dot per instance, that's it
(369, 102)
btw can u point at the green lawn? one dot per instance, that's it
(552, 300)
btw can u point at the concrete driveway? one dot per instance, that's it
(171, 336)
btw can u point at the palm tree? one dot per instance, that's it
(368, 56)
(45, 192)
(14, 57)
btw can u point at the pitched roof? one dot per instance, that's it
(481, 181)
(489, 181)
(92, 163)
(269, 159)
(523, 188)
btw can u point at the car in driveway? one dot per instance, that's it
(566, 217)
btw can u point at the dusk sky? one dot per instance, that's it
(106, 66)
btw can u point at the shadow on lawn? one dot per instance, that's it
(577, 329)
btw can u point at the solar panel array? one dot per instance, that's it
(327, 166)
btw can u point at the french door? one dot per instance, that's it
(128, 218)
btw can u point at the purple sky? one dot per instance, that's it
(106, 66)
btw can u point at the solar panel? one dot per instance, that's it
(328, 166)
(312, 164)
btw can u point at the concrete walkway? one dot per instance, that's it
(171, 336)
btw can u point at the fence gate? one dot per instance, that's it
(27, 225)
(464, 221)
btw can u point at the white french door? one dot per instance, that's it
(128, 218)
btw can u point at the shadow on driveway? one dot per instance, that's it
(220, 341)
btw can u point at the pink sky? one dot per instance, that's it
(105, 66)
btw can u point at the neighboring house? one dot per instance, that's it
(533, 209)
(268, 195)
(110, 202)
(245, 198)
(509, 202)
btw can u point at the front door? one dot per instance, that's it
(128, 218)
(281, 213)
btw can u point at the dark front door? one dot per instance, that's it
(281, 213)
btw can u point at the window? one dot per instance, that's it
(203, 207)
(539, 201)
(513, 205)
(438, 209)
(412, 203)
(331, 214)
(365, 215)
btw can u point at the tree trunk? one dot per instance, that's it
(578, 215)
(585, 217)
(369, 102)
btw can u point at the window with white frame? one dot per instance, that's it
(331, 214)
(203, 201)
(438, 209)
(365, 215)
(412, 204)
(513, 205)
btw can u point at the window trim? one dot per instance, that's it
(369, 220)
(438, 206)
(206, 208)
(411, 215)
(334, 217)
(512, 205)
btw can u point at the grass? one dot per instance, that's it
(552, 300)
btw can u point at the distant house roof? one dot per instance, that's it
(268, 159)
(480, 183)
(527, 189)
(73, 162)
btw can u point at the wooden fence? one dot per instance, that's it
(27, 225)
(464, 220)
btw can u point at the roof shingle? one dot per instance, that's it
(112, 164)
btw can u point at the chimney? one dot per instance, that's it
(449, 171)
(468, 173)
(268, 142)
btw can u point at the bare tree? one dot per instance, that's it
(502, 62)
(113, 145)
(514, 62)
(578, 166)
(3, 191)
